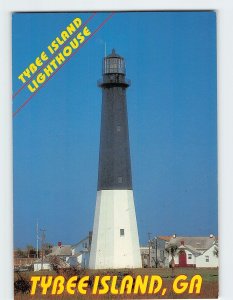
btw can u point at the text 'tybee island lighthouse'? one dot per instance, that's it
(115, 241)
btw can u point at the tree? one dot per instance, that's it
(215, 251)
(31, 251)
(172, 249)
(20, 253)
(47, 248)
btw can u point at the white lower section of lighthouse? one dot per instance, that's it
(115, 241)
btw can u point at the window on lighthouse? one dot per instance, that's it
(120, 179)
(122, 232)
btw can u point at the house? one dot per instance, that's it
(81, 251)
(57, 258)
(193, 251)
(209, 258)
(38, 265)
(155, 254)
(184, 256)
(60, 250)
(144, 250)
(51, 262)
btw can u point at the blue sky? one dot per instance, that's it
(172, 106)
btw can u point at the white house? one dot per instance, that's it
(193, 251)
(81, 251)
(62, 252)
(185, 256)
(38, 265)
(209, 258)
(59, 256)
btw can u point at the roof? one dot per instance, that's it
(214, 245)
(49, 260)
(165, 237)
(190, 249)
(113, 54)
(144, 247)
(39, 261)
(75, 245)
(63, 250)
(194, 243)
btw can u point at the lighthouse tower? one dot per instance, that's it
(115, 241)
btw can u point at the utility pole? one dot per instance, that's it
(156, 254)
(42, 247)
(37, 240)
(149, 243)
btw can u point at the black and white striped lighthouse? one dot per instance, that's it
(115, 241)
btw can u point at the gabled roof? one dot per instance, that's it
(214, 245)
(190, 249)
(165, 237)
(63, 250)
(75, 245)
(39, 261)
(196, 243)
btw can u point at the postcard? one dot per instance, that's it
(115, 155)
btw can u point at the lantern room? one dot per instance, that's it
(113, 64)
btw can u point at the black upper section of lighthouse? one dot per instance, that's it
(114, 156)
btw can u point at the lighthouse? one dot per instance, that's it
(115, 242)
